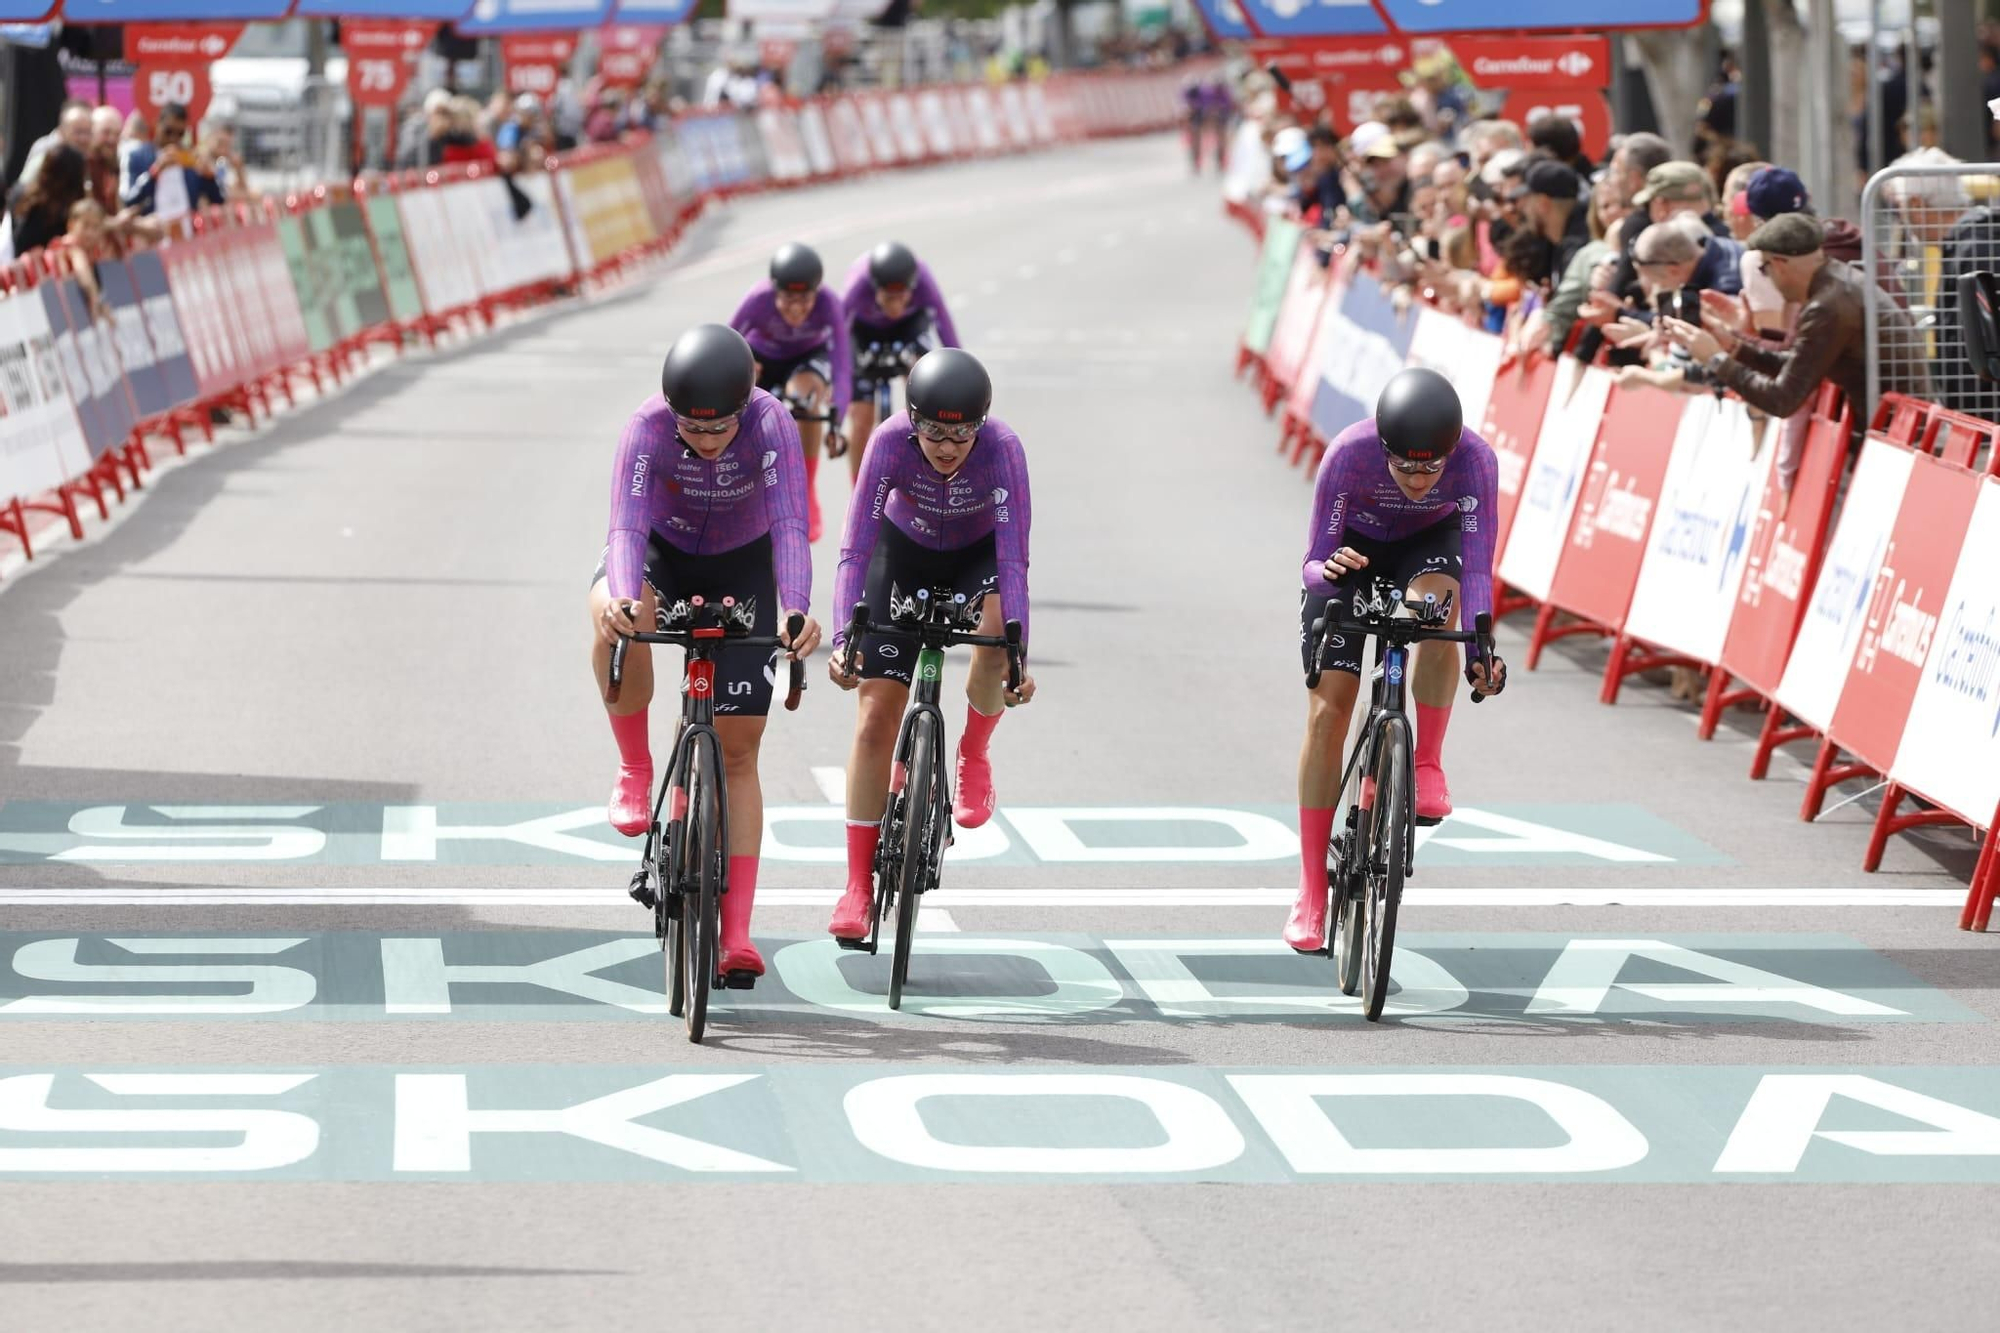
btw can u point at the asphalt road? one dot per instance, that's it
(312, 730)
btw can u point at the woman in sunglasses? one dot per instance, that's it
(708, 499)
(798, 329)
(1407, 496)
(942, 501)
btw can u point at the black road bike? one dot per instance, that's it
(1372, 854)
(804, 413)
(916, 823)
(684, 869)
(885, 363)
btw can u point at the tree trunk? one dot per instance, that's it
(1678, 76)
(1788, 85)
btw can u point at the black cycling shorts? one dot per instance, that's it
(900, 563)
(773, 376)
(1432, 550)
(912, 330)
(744, 676)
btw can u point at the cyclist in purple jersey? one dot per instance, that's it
(798, 330)
(942, 503)
(707, 499)
(891, 298)
(1408, 497)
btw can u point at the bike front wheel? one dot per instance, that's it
(1382, 869)
(920, 828)
(701, 884)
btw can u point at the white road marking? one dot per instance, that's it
(832, 783)
(934, 920)
(173, 896)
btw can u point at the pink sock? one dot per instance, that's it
(1315, 829)
(736, 903)
(862, 838)
(635, 747)
(1431, 723)
(978, 731)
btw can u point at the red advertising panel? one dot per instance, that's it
(1902, 614)
(1571, 63)
(535, 61)
(170, 64)
(1785, 545)
(1599, 566)
(627, 53)
(1513, 421)
(382, 57)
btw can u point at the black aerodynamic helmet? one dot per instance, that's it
(796, 268)
(709, 373)
(1418, 415)
(950, 386)
(892, 264)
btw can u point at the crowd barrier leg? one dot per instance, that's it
(1630, 657)
(1978, 911)
(63, 506)
(1827, 774)
(1506, 602)
(14, 519)
(1888, 824)
(1775, 734)
(1719, 699)
(1547, 632)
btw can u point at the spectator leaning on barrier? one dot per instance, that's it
(463, 141)
(107, 123)
(1776, 190)
(215, 156)
(423, 137)
(161, 180)
(86, 243)
(1830, 342)
(72, 128)
(43, 211)
(1673, 188)
(1608, 208)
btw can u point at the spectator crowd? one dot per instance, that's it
(1706, 270)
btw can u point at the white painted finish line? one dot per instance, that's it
(335, 896)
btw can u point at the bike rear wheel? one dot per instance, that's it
(920, 816)
(1347, 888)
(1382, 871)
(701, 885)
(668, 913)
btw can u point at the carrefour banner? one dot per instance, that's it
(491, 16)
(440, 10)
(171, 11)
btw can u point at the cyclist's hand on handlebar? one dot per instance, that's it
(801, 648)
(1344, 561)
(1487, 675)
(836, 443)
(844, 667)
(619, 621)
(1026, 694)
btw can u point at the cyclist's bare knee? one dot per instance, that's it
(741, 739)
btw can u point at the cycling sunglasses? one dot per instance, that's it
(1409, 469)
(715, 427)
(938, 433)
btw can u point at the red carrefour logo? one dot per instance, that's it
(1576, 64)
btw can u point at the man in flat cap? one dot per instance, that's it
(1829, 342)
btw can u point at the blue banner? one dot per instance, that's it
(135, 343)
(654, 11)
(173, 11)
(439, 10)
(1464, 16)
(1367, 345)
(31, 32)
(1224, 19)
(170, 349)
(1314, 18)
(494, 16)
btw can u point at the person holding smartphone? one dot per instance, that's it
(160, 179)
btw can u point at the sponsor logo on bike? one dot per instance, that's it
(889, 650)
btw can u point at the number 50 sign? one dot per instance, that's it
(171, 63)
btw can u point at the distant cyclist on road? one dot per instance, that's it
(798, 329)
(891, 298)
(942, 502)
(707, 498)
(1407, 496)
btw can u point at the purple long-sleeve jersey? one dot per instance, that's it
(703, 506)
(924, 295)
(988, 493)
(772, 339)
(1356, 493)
